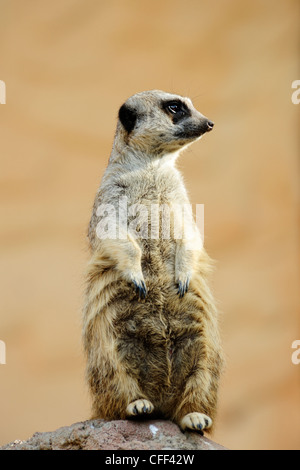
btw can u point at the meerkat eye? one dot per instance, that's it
(177, 109)
(174, 108)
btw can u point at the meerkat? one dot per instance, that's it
(150, 326)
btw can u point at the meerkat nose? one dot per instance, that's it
(210, 125)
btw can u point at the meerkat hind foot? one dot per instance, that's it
(139, 407)
(195, 422)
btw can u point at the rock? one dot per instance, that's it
(116, 435)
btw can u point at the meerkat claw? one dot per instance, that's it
(140, 289)
(183, 287)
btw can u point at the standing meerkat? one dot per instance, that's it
(150, 328)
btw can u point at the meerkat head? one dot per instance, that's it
(159, 123)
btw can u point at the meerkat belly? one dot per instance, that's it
(157, 347)
(158, 339)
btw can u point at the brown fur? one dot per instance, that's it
(164, 349)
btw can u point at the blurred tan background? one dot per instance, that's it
(68, 65)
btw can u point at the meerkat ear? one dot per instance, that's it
(128, 117)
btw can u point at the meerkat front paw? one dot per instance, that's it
(182, 283)
(140, 289)
(195, 422)
(183, 287)
(139, 407)
(138, 282)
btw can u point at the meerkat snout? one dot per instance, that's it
(205, 126)
(210, 125)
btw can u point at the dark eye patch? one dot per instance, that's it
(176, 109)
